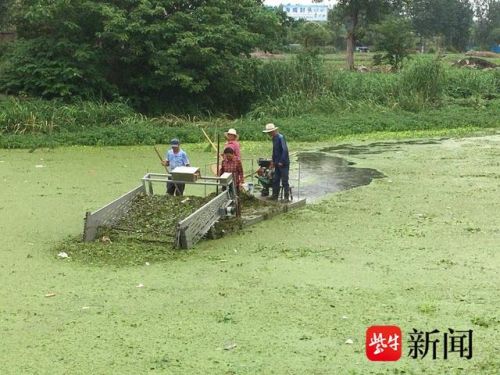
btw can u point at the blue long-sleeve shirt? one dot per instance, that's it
(280, 150)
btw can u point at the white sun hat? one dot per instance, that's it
(269, 128)
(232, 132)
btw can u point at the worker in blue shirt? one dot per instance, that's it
(281, 161)
(175, 157)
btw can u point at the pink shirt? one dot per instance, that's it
(235, 145)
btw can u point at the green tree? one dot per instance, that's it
(272, 23)
(153, 52)
(356, 14)
(487, 22)
(5, 7)
(395, 37)
(451, 19)
(289, 27)
(313, 34)
(338, 31)
(494, 35)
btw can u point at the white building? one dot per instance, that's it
(275, 3)
(308, 12)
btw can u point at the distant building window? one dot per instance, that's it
(309, 10)
(294, 10)
(288, 9)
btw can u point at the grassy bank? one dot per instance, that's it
(117, 125)
(417, 249)
(303, 96)
(338, 60)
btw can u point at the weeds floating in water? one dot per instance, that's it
(146, 233)
(153, 218)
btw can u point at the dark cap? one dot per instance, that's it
(174, 142)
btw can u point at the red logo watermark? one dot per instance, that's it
(383, 343)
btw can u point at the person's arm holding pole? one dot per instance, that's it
(163, 162)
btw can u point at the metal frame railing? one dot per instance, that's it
(109, 214)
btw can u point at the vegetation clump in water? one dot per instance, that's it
(153, 218)
(146, 233)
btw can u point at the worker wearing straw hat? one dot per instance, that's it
(232, 141)
(281, 161)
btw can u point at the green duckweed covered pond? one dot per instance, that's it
(418, 249)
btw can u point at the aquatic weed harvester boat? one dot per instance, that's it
(197, 222)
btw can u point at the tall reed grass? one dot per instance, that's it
(464, 83)
(421, 83)
(285, 89)
(22, 116)
(291, 88)
(303, 74)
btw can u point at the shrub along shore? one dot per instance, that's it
(308, 101)
(136, 129)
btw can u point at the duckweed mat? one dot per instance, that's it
(146, 233)
(418, 249)
(153, 218)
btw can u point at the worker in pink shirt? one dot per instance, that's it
(232, 141)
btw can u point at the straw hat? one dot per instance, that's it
(232, 132)
(269, 128)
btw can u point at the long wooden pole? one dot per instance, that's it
(160, 157)
(208, 139)
(251, 174)
(212, 167)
